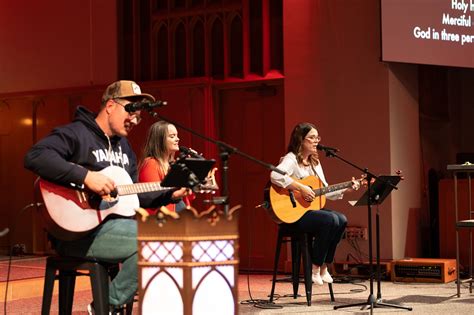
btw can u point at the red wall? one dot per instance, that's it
(57, 44)
(54, 56)
(333, 77)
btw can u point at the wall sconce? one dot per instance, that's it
(188, 263)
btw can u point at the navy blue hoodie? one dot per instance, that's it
(65, 156)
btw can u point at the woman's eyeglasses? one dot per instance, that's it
(313, 138)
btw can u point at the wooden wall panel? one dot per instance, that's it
(15, 190)
(25, 120)
(251, 119)
(447, 219)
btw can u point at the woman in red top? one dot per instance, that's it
(160, 148)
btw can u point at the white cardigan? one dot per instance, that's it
(290, 165)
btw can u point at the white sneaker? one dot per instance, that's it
(326, 277)
(90, 309)
(113, 309)
(316, 277)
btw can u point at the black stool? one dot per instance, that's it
(299, 247)
(68, 268)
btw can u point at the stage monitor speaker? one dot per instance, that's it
(435, 270)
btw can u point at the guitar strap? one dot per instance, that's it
(292, 198)
(314, 171)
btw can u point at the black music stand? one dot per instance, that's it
(187, 173)
(200, 167)
(375, 195)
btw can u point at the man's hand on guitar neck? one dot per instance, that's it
(99, 183)
(180, 193)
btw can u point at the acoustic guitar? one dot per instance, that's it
(70, 214)
(285, 206)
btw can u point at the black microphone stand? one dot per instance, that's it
(372, 301)
(225, 150)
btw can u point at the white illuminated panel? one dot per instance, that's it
(213, 296)
(163, 295)
(198, 274)
(169, 252)
(206, 251)
(228, 272)
(147, 274)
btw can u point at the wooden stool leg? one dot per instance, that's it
(307, 265)
(100, 288)
(295, 264)
(67, 283)
(49, 278)
(275, 265)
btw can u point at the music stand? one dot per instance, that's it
(379, 190)
(187, 173)
(375, 195)
(200, 167)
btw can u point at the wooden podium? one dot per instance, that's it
(188, 263)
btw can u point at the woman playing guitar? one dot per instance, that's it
(325, 225)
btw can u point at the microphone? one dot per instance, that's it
(133, 107)
(324, 148)
(192, 153)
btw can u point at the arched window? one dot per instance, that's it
(198, 61)
(236, 47)
(217, 49)
(180, 51)
(161, 71)
(220, 39)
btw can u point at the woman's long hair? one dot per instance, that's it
(156, 145)
(296, 142)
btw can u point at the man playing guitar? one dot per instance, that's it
(74, 156)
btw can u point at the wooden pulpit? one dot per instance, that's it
(188, 262)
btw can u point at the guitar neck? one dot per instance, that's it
(137, 188)
(324, 190)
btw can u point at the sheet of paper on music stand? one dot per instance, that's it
(380, 188)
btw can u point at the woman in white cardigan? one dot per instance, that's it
(327, 226)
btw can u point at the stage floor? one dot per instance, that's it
(254, 289)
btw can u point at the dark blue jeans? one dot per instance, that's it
(327, 227)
